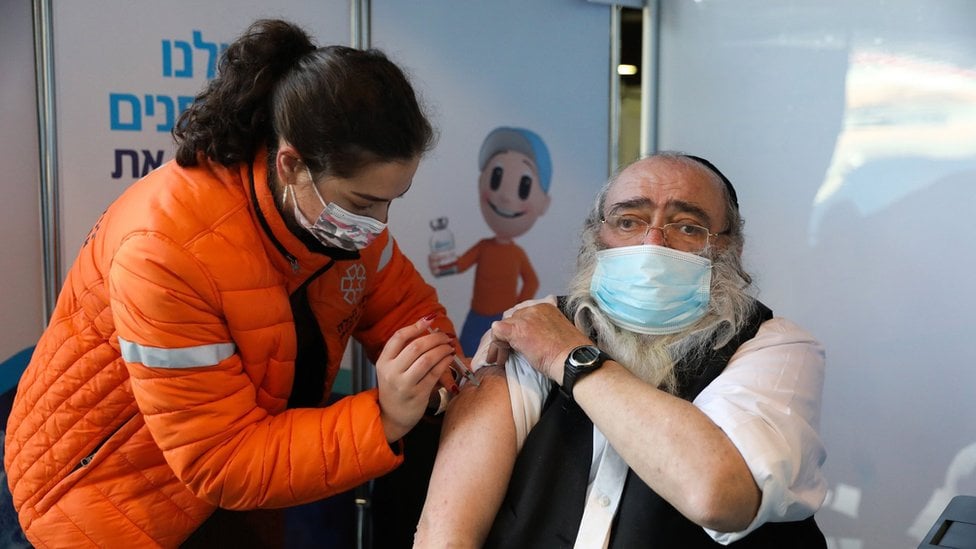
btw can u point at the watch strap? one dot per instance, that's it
(573, 372)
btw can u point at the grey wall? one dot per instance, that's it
(21, 307)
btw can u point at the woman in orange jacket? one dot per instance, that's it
(198, 334)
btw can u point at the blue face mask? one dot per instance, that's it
(651, 289)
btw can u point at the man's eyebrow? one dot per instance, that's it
(671, 206)
(689, 208)
(639, 202)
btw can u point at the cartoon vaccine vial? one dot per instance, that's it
(443, 259)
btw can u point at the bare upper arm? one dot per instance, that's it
(474, 463)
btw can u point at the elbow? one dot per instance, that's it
(207, 494)
(429, 535)
(725, 520)
(725, 508)
(209, 489)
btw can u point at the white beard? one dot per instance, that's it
(653, 358)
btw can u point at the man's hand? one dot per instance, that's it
(542, 334)
(493, 352)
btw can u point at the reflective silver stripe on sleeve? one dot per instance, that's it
(386, 254)
(183, 357)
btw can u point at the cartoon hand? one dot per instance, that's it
(433, 264)
(438, 267)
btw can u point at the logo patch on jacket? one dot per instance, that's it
(353, 283)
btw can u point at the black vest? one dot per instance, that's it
(544, 503)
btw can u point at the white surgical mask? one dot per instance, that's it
(336, 227)
(651, 289)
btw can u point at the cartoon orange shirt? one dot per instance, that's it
(496, 279)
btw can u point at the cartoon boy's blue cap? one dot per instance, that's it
(519, 140)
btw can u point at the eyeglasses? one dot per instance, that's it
(686, 237)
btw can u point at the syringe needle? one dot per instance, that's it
(459, 366)
(465, 371)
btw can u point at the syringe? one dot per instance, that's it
(459, 366)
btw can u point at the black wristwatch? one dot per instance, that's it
(581, 361)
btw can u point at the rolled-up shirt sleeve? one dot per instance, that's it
(528, 390)
(767, 401)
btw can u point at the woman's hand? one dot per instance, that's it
(406, 374)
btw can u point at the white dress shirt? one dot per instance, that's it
(767, 401)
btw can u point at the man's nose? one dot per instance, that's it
(654, 235)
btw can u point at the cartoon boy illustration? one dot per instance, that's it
(513, 192)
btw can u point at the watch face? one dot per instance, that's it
(585, 356)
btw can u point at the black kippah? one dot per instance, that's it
(728, 184)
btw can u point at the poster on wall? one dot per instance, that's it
(124, 72)
(523, 132)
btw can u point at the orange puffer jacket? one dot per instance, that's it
(159, 390)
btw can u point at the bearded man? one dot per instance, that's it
(658, 404)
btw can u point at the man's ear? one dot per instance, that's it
(288, 163)
(724, 242)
